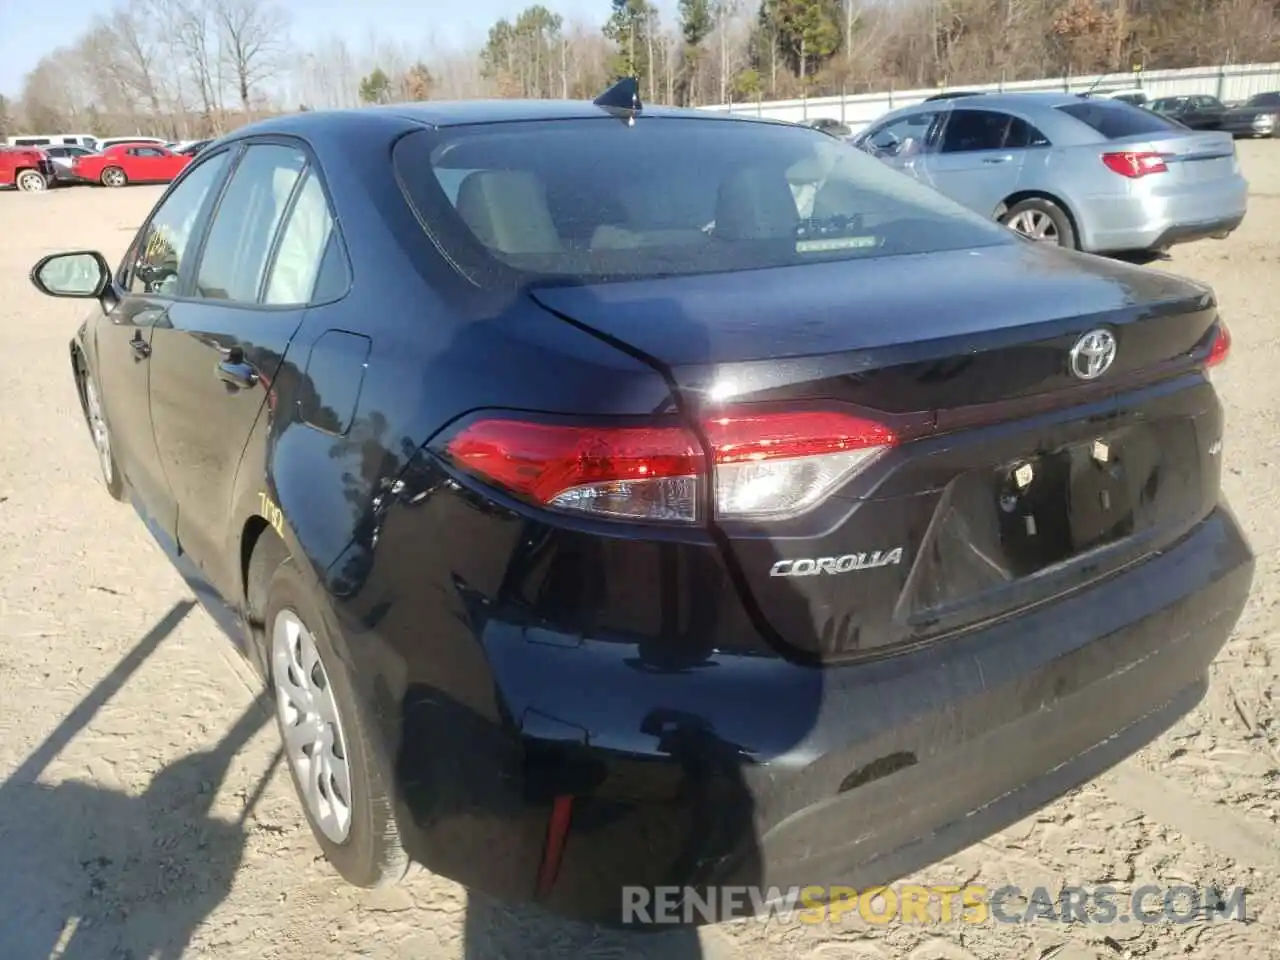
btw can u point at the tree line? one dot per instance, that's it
(192, 68)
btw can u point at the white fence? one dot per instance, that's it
(1227, 82)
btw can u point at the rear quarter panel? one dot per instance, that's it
(436, 350)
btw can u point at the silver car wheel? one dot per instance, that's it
(101, 434)
(1035, 224)
(312, 729)
(112, 177)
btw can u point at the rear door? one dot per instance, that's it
(1209, 113)
(222, 344)
(979, 159)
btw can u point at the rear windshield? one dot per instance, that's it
(1116, 120)
(598, 199)
(1265, 100)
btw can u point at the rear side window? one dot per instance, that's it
(245, 223)
(300, 252)
(599, 199)
(1265, 100)
(1115, 120)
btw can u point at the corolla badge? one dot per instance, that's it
(1093, 354)
(813, 566)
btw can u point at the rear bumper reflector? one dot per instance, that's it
(553, 849)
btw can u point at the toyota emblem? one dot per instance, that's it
(1093, 354)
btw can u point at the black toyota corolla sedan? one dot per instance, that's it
(625, 497)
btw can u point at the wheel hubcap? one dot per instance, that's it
(313, 737)
(33, 182)
(1035, 224)
(101, 435)
(114, 178)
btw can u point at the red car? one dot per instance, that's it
(130, 163)
(25, 168)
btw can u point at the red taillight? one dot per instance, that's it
(766, 465)
(1132, 164)
(1221, 346)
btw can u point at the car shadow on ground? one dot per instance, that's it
(89, 873)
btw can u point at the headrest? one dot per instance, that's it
(756, 204)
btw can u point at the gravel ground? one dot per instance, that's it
(143, 813)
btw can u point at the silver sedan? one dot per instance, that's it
(1098, 175)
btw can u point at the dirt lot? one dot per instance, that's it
(142, 812)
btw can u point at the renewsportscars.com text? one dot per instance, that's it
(908, 903)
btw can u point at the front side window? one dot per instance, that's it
(245, 223)
(599, 199)
(904, 137)
(160, 250)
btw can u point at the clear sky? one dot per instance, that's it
(31, 28)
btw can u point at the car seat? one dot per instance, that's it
(507, 211)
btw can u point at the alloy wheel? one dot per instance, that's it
(113, 177)
(311, 726)
(1035, 224)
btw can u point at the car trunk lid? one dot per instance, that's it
(1188, 157)
(1012, 478)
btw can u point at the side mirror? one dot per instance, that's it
(83, 275)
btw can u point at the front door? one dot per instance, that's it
(902, 143)
(149, 276)
(222, 346)
(147, 164)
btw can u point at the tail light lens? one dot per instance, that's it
(1132, 164)
(763, 465)
(1220, 348)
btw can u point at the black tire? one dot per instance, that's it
(371, 854)
(1064, 232)
(113, 177)
(96, 420)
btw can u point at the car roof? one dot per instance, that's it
(1016, 99)
(454, 113)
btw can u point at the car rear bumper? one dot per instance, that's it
(1153, 221)
(755, 771)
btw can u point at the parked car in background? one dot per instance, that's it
(1259, 116)
(26, 168)
(55, 139)
(601, 519)
(828, 126)
(1137, 98)
(191, 147)
(64, 163)
(130, 163)
(1096, 174)
(116, 141)
(1198, 112)
(952, 95)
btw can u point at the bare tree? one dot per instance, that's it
(251, 36)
